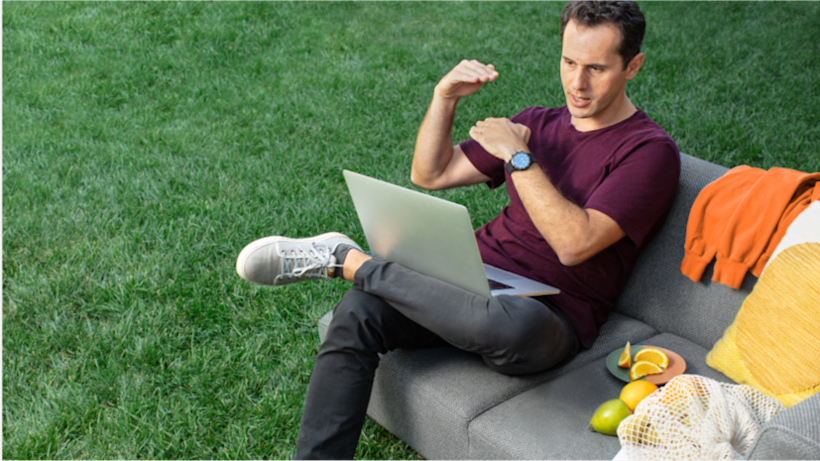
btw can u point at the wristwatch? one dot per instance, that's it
(519, 161)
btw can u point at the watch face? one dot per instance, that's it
(520, 161)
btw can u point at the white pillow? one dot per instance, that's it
(804, 228)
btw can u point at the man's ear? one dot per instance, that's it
(634, 66)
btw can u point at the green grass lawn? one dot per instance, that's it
(144, 144)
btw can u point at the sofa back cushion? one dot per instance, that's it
(658, 294)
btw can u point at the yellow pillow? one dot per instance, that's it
(774, 343)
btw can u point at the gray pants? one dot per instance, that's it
(394, 307)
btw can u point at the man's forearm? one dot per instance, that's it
(434, 143)
(574, 233)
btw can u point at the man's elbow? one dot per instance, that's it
(572, 257)
(570, 261)
(422, 181)
(415, 179)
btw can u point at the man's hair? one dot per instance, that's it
(623, 14)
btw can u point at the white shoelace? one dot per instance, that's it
(308, 264)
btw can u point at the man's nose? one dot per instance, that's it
(579, 80)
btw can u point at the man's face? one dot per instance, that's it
(593, 75)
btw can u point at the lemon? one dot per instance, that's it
(638, 430)
(636, 391)
(608, 416)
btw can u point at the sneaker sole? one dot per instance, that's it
(256, 244)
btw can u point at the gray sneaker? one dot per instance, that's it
(281, 260)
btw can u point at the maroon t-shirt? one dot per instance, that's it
(628, 171)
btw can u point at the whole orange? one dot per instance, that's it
(636, 391)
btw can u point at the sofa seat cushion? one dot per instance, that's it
(427, 397)
(527, 426)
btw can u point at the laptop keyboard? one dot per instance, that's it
(496, 285)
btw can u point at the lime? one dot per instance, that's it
(608, 416)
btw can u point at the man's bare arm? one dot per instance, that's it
(437, 164)
(574, 233)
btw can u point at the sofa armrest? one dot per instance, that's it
(792, 434)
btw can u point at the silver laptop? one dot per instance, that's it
(431, 236)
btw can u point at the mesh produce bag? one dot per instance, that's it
(694, 417)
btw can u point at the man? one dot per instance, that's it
(590, 183)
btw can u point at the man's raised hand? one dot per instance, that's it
(465, 79)
(501, 137)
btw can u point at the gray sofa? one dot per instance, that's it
(447, 404)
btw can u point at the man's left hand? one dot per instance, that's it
(501, 137)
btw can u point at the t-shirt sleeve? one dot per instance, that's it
(487, 163)
(640, 189)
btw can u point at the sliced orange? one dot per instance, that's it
(656, 356)
(641, 369)
(626, 357)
